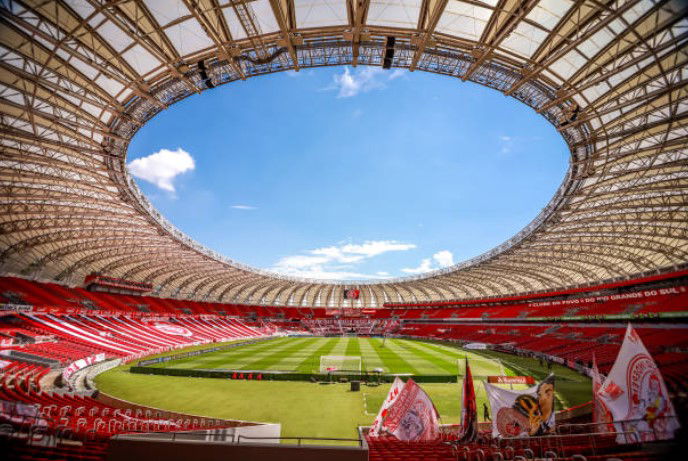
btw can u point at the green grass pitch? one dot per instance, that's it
(307, 409)
(303, 355)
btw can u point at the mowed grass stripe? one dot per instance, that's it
(312, 364)
(452, 355)
(212, 359)
(371, 359)
(290, 361)
(453, 352)
(240, 358)
(434, 359)
(353, 348)
(340, 347)
(268, 362)
(483, 367)
(422, 364)
(390, 355)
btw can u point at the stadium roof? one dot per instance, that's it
(79, 77)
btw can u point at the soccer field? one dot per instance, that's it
(303, 355)
(316, 410)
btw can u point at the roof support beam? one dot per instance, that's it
(358, 10)
(425, 37)
(283, 23)
(225, 45)
(497, 29)
(577, 40)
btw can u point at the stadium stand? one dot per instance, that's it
(57, 329)
(81, 77)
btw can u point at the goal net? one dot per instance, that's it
(340, 364)
(481, 367)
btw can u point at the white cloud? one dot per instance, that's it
(443, 258)
(361, 80)
(377, 247)
(301, 261)
(507, 144)
(322, 273)
(425, 266)
(243, 207)
(397, 73)
(329, 262)
(162, 167)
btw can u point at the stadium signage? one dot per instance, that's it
(622, 296)
(171, 329)
(475, 346)
(346, 312)
(529, 380)
(81, 363)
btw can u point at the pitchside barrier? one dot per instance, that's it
(186, 355)
(289, 376)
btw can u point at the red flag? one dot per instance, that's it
(600, 413)
(469, 411)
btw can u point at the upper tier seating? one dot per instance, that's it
(368, 327)
(638, 300)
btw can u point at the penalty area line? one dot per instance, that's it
(365, 405)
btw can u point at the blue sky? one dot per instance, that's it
(349, 173)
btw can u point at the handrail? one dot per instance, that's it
(572, 426)
(299, 439)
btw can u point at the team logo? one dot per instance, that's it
(648, 400)
(411, 426)
(175, 330)
(612, 390)
(511, 422)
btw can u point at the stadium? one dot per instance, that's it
(122, 337)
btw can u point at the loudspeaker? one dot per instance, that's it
(389, 53)
(355, 386)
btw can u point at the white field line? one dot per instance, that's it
(365, 405)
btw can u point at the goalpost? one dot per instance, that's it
(340, 364)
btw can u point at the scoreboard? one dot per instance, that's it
(352, 293)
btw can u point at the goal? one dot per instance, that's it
(340, 364)
(481, 366)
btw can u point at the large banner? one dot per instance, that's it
(524, 413)
(81, 363)
(171, 329)
(392, 395)
(635, 395)
(469, 410)
(412, 416)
